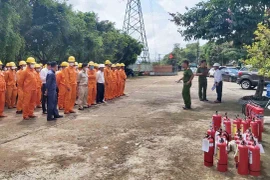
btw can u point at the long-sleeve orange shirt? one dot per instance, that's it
(92, 80)
(2, 81)
(107, 75)
(70, 76)
(11, 78)
(28, 79)
(60, 78)
(18, 76)
(39, 82)
(123, 75)
(114, 76)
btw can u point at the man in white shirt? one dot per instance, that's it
(100, 84)
(43, 75)
(218, 82)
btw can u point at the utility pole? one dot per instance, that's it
(134, 26)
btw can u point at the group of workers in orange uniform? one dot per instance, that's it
(21, 89)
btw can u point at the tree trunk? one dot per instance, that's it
(260, 88)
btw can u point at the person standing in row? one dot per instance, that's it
(92, 84)
(2, 91)
(53, 113)
(218, 82)
(11, 86)
(108, 80)
(187, 79)
(43, 76)
(202, 72)
(28, 79)
(22, 65)
(83, 87)
(71, 82)
(100, 84)
(62, 86)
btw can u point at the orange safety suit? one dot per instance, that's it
(92, 87)
(62, 87)
(71, 82)
(6, 93)
(20, 91)
(39, 92)
(2, 92)
(114, 83)
(118, 94)
(29, 81)
(108, 83)
(11, 88)
(123, 78)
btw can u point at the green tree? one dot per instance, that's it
(259, 56)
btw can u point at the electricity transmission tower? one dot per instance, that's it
(134, 26)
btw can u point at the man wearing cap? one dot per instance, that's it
(62, 86)
(22, 65)
(202, 72)
(53, 113)
(218, 82)
(100, 84)
(114, 81)
(11, 86)
(92, 84)
(28, 79)
(83, 87)
(2, 91)
(43, 76)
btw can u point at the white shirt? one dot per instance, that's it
(43, 75)
(218, 76)
(100, 77)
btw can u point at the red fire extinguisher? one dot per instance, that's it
(228, 126)
(243, 158)
(211, 132)
(222, 156)
(260, 129)
(209, 156)
(236, 125)
(248, 121)
(254, 128)
(247, 110)
(254, 160)
(244, 126)
(237, 135)
(216, 121)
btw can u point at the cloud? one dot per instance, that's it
(161, 33)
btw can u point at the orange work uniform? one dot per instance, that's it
(39, 85)
(108, 83)
(123, 78)
(29, 81)
(11, 88)
(114, 83)
(20, 91)
(118, 94)
(71, 82)
(92, 87)
(6, 93)
(2, 93)
(62, 87)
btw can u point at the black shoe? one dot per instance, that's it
(18, 112)
(81, 109)
(60, 116)
(201, 100)
(186, 108)
(45, 112)
(205, 100)
(52, 119)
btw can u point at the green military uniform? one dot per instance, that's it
(202, 82)
(186, 88)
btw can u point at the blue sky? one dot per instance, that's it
(161, 33)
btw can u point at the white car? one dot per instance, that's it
(211, 72)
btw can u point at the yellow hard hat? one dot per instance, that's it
(79, 65)
(1, 63)
(91, 63)
(64, 64)
(37, 65)
(113, 66)
(71, 59)
(108, 62)
(76, 64)
(12, 64)
(118, 65)
(21, 63)
(7, 65)
(96, 64)
(31, 60)
(123, 65)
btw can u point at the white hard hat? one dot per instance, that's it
(101, 66)
(216, 65)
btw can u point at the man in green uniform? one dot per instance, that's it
(187, 78)
(202, 72)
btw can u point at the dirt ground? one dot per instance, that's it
(145, 135)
